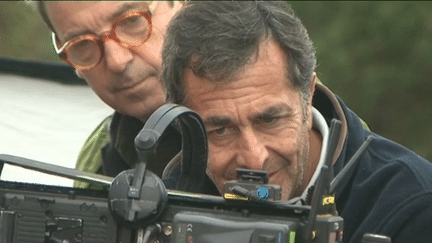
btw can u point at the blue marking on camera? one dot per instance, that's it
(263, 192)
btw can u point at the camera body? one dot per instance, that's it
(38, 213)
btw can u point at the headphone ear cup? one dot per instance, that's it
(130, 211)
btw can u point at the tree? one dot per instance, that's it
(377, 57)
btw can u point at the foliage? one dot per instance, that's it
(22, 33)
(377, 56)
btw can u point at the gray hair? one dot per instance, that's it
(217, 39)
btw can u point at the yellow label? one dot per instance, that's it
(328, 200)
(234, 197)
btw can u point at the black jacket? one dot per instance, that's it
(388, 192)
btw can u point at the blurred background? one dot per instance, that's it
(377, 56)
(41, 119)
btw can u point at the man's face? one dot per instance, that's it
(125, 79)
(255, 121)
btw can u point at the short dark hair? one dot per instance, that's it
(217, 39)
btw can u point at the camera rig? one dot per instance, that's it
(135, 206)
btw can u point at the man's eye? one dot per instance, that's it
(132, 20)
(134, 23)
(269, 120)
(219, 131)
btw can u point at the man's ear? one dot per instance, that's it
(78, 73)
(309, 102)
(312, 87)
(313, 84)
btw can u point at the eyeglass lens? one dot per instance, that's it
(131, 31)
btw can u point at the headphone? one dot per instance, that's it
(137, 196)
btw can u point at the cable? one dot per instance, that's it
(350, 163)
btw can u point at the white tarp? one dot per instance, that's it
(45, 121)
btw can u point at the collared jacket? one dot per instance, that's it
(389, 191)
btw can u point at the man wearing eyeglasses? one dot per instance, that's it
(115, 47)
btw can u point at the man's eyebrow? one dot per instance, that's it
(124, 8)
(217, 121)
(274, 111)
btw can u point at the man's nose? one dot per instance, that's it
(117, 57)
(252, 151)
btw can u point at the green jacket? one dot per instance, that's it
(90, 156)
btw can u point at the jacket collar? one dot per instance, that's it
(328, 105)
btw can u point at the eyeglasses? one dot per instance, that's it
(85, 52)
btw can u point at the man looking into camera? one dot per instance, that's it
(248, 69)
